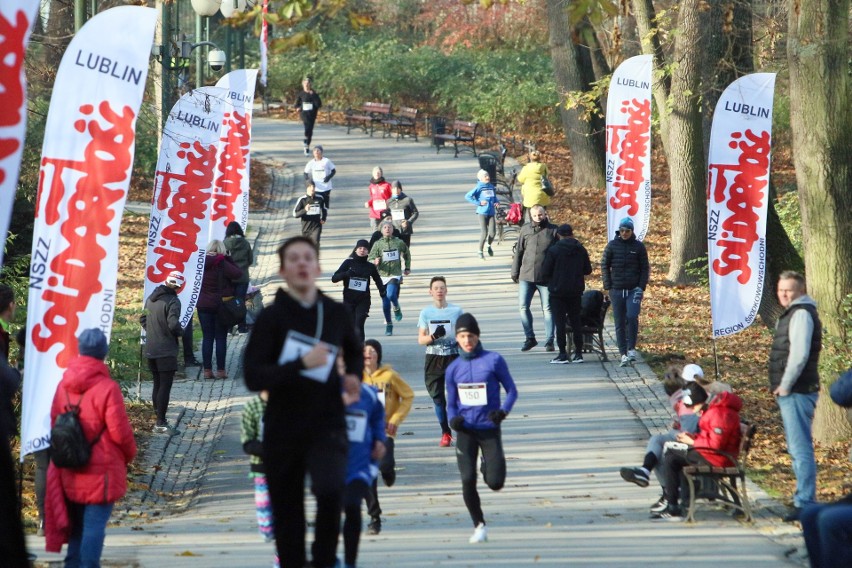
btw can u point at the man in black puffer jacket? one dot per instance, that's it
(625, 272)
(566, 263)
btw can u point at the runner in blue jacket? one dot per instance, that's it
(475, 413)
(484, 196)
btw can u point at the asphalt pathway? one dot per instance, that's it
(573, 426)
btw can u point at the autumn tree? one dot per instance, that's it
(818, 54)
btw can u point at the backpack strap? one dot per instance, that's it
(97, 438)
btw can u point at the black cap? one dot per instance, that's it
(377, 346)
(467, 322)
(565, 230)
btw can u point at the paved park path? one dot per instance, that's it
(573, 426)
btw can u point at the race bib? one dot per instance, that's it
(398, 214)
(296, 345)
(390, 255)
(473, 394)
(486, 194)
(307, 106)
(449, 328)
(313, 210)
(358, 284)
(379, 205)
(356, 426)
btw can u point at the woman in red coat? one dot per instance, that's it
(91, 490)
(380, 192)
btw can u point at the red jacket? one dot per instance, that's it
(379, 190)
(719, 428)
(104, 478)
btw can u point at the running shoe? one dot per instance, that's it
(529, 344)
(625, 361)
(549, 346)
(389, 329)
(631, 354)
(397, 313)
(577, 358)
(480, 534)
(635, 475)
(165, 429)
(481, 256)
(375, 527)
(560, 359)
(490, 251)
(670, 513)
(446, 440)
(661, 505)
(307, 151)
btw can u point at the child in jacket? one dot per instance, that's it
(484, 196)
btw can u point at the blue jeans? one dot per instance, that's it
(88, 529)
(391, 296)
(797, 414)
(828, 534)
(625, 312)
(525, 296)
(212, 331)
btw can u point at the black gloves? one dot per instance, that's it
(457, 423)
(325, 179)
(497, 416)
(440, 332)
(253, 448)
(515, 279)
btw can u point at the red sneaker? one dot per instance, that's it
(446, 440)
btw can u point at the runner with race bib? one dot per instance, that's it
(388, 254)
(356, 272)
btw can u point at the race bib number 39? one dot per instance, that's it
(358, 284)
(472, 394)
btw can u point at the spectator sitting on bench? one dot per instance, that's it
(675, 380)
(718, 431)
(711, 385)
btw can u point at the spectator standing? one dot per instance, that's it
(403, 212)
(251, 437)
(380, 193)
(794, 380)
(10, 377)
(291, 352)
(84, 496)
(217, 284)
(388, 254)
(625, 273)
(240, 252)
(365, 423)
(533, 241)
(530, 177)
(308, 102)
(475, 412)
(356, 272)
(396, 396)
(566, 264)
(319, 171)
(161, 322)
(311, 209)
(436, 330)
(484, 196)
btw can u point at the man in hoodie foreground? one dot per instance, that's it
(794, 380)
(566, 264)
(291, 353)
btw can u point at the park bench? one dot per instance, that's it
(367, 116)
(722, 484)
(404, 122)
(593, 340)
(460, 132)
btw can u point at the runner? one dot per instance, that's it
(311, 209)
(387, 254)
(403, 212)
(484, 196)
(291, 353)
(380, 193)
(475, 412)
(397, 397)
(308, 102)
(436, 330)
(356, 273)
(320, 170)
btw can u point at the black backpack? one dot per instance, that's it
(69, 447)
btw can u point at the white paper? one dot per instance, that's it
(296, 345)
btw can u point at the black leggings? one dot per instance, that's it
(567, 309)
(356, 491)
(468, 444)
(359, 313)
(386, 467)
(308, 120)
(162, 384)
(487, 229)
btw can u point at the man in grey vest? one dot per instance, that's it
(794, 380)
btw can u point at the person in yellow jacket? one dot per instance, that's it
(530, 176)
(396, 396)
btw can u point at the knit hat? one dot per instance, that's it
(377, 346)
(93, 343)
(694, 394)
(692, 372)
(318, 147)
(363, 243)
(565, 230)
(175, 278)
(626, 223)
(467, 322)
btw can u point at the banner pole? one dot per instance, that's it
(716, 359)
(139, 371)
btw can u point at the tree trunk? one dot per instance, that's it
(586, 153)
(821, 122)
